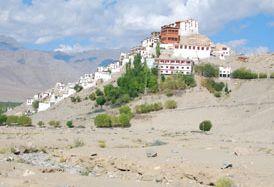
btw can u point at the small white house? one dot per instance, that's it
(221, 51)
(105, 76)
(29, 101)
(224, 72)
(43, 107)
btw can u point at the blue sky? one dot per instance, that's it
(68, 25)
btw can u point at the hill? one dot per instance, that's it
(160, 148)
(24, 72)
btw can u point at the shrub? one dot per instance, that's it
(205, 125)
(115, 122)
(92, 96)
(102, 121)
(69, 124)
(207, 70)
(41, 124)
(157, 106)
(272, 75)
(125, 98)
(19, 120)
(78, 88)
(217, 94)
(244, 73)
(3, 119)
(77, 143)
(12, 120)
(173, 83)
(24, 121)
(169, 93)
(189, 80)
(170, 104)
(55, 124)
(98, 92)
(213, 86)
(124, 120)
(224, 182)
(226, 89)
(262, 76)
(76, 99)
(102, 144)
(126, 110)
(146, 108)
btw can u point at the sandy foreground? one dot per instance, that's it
(240, 145)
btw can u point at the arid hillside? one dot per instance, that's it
(159, 148)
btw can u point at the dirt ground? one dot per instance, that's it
(162, 148)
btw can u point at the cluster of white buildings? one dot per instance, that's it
(181, 46)
(61, 91)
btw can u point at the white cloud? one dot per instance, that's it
(258, 50)
(271, 24)
(44, 39)
(117, 22)
(237, 43)
(76, 48)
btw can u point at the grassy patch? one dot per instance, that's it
(77, 143)
(102, 144)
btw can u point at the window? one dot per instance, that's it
(185, 47)
(193, 47)
(198, 48)
(189, 47)
(207, 48)
(203, 48)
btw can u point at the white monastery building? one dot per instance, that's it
(168, 66)
(224, 72)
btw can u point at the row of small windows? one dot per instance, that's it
(170, 38)
(191, 47)
(177, 67)
(169, 72)
(170, 31)
(175, 61)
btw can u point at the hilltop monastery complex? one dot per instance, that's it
(181, 46)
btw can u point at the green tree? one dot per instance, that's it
(98, 92)
(69, 124)
(35, 105)
(207, 70)
(158, 50)
(3, 119)
(101, 101)
(78, 88)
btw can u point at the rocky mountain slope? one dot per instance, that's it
(24, 72)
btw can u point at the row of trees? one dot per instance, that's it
(138, 79)
(15, 120)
